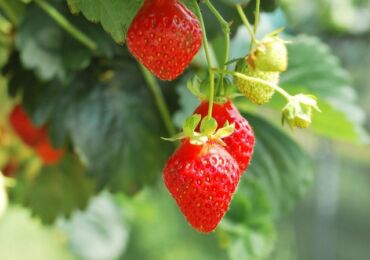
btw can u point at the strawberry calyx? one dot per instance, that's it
(208, 131)
(298, 111)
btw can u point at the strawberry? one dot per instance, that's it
(202, 179)
(256, 92)
(271, 55)
(23, 126)
(298, 111)
(10, 168)
(240, 143)
(47, 152)
(34, 136)
(164, 36)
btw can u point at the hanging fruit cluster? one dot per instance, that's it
(216, 141)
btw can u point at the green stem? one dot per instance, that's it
(66, 25)
(278, 89)
(159, 100)
(245, 21)
(256, 16)
(9, 12)
(226, 30)
(208, 57)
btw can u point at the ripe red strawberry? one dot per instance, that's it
(47, 152)
(10, 168)
(164, 37)
(240, 143)
(202, 179)
(23, 126)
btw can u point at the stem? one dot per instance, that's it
(256, 16)
(9, 12)
(245, 21)
(226, 29)
(159, 100)
(208, 57)
(278, 89)
(66, 25)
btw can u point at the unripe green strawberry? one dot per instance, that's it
(256, 92)
(298, 111)
(271, 55)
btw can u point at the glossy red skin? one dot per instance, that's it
(202, 179)
(23, 126)
(48, 153)
(240, 144)
(164, 36)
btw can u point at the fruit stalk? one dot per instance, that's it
(159, 100)
(278, 89)
(246, 23)
(66, 25)
(256, 16)
(208, 57)
(226, 30)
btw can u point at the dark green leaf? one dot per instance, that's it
(56, 191)
(114, 15)
(156, 219)
(280, 166)
(248, 230)
(315, 70)
(110, 117)
(53, 53)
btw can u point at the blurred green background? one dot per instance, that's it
(331, 222)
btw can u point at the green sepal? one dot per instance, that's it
(225, 131)
(298, 111)
(208, 126)
(207, 131)
(191, 124)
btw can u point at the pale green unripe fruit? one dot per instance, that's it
(271, 55)
(256, 92)
(298, 111)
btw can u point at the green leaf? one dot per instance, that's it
(114, 15)
(53, 53)
(248, 230)
(113, 122)
(313, 69)
(156, 218)
(56, 191)
(280, 166)
(99, 232)
(22, 237)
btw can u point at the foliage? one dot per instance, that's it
(100, 106)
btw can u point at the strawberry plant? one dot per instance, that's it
(125, 104)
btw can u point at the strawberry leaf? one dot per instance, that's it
(115, 16)
(46, 48)
(115, 115)
(282, 168)
(315, 70)
(56, 191)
